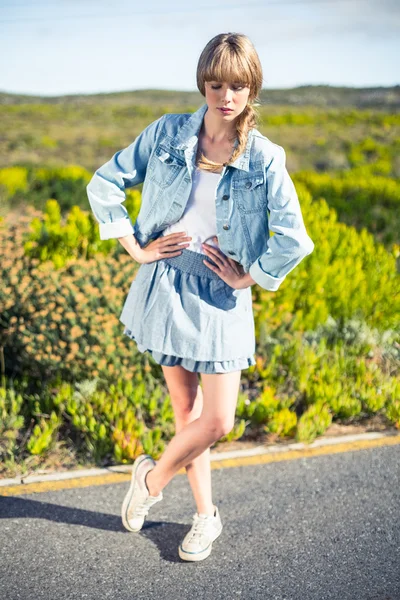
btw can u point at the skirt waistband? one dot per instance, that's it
(192, 262)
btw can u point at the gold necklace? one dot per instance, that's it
(200, 150)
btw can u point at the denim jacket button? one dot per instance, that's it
(248, 184)
(230, 252)
(168, 160)
(225, 197)
(225, 227)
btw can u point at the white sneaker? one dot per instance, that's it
(197, 543)
(138, 501)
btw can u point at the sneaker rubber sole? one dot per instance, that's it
(195, 556)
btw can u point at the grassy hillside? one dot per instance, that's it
(315, 95)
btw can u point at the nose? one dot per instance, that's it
(227, 96)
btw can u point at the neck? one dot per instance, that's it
(217, 131)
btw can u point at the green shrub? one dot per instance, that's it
(393, 411)
(313, 422)
(349, 275)
(283, 422)
(14, 179)
(65, 321)
(363, 197)
(49, 238)
(33, 186)
(11, 422)
(43, 435)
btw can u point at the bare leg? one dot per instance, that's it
(187, 402)
(217, 418)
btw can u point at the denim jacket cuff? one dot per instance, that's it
(116, 229)
(263, 279)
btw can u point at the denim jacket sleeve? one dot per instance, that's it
(290, 242)
(106, 189)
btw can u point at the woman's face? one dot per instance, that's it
(223, 94)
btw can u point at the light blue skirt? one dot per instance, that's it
(183, 313)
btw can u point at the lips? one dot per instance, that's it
(226, 110)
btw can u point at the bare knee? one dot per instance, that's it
(220, 398)
(217, 427)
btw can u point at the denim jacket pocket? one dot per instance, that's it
(249, 192)
(164, 166)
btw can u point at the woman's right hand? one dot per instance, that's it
(164, 246)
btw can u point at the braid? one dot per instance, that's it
(246, 120)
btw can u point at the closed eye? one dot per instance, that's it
(216, 87)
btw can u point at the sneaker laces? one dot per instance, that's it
(200, 525)
(142, 509)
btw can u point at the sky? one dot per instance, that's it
(59, 47)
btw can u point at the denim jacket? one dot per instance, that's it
(255, 194)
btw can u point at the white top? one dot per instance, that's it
(199, 218)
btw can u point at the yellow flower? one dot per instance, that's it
(76, 331)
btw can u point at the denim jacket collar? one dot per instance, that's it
(187, 138)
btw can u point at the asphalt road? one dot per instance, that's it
(316, 528)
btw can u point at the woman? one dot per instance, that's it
(202, 238)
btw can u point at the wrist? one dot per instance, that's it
(246, 280)
(137, 255)
(132, 246)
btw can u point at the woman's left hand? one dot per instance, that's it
(228, 269)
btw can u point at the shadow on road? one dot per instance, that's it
(165, 535)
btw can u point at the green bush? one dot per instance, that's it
(349, 275)
(34, 185)
(66, 320)
(102, 422)
(362, 197)
(313, 422)
(11, 422)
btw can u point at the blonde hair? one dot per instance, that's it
(232, 57)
